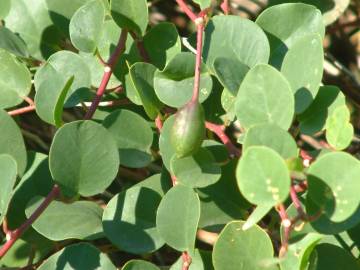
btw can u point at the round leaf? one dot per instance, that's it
(332, 186)
(12, 42)
(265, 97)
(142, 77)
(178, 216)
(139, 265)
(82, 219)
(262, 176)
(339, 131)
(76, 257)
(12, 142)
(330, 257)
(198, 170)
(174, 84)
(237, 249)
(272, 136)
(86, 26)
(222, 39)
(133, 213)
(15, 80)
(8, 170)
(133, 136)
(83, 158)
(305, 52)
(305, 19)
(68, 64)
(131, 15)
(166, 149)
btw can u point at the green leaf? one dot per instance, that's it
(198, 170)
(83, 158)
(15, 80)
(142, 77)
(18, 255)
(131, 15)
(272, 136)
(200, 260)
(8, 170)
(262, 176)
(305, 19)
(305, 52)
(330, 257)
(12, 42)
(61, 12)
(222, 39)
(258, 214)
(326, 101)
(34, 26)
(332, 186)
(228, 103)
(160, 183)
(203, 3)
(218, 151)
(133, 213)
(50, 97)
(339, 130)
(174, 85)
(68, 64)
(133, 136)
(237, 249)
(178, 216)
(161, 43)
(139, 265)
(297, 256)
(230, 72)
(5, 6)
(82, 219)
(222, 202)
(12, 142)
(76, 257)
(36, 181)
(264, 97)
(166, 149)
(331, 9)
(86, 26)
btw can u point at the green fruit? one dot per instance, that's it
(188, 130)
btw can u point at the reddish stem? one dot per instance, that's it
(108, 70)
(301, 187)
(199, 45)
(219, 131)
(186, 9)
(23, 110)
(186, 260)
(140, 47)
(297, 203)
(16, 234)
(158, 123)
(287, 225)
(225, 7)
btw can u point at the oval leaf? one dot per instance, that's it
(83, 158)
(178, 217)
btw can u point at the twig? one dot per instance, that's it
(207, 237)
(186, 260)
(23, 110)
(186, 9)
(108, 70)
(287, 224)
(219, 131)
(12, 236)
(158, 123)
(225, 7)
(140, 47)
(199, 44)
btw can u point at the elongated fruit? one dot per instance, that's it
(188, 130)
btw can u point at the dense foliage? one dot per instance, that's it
(124, 145)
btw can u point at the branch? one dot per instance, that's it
(140, 47)
(225, 7)
(187, 10)
(186, 260)
(12, 236)
(199, 44)
(108, 70)
(287, 224)
(23, 110)
(219, 131)
(207, 237)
